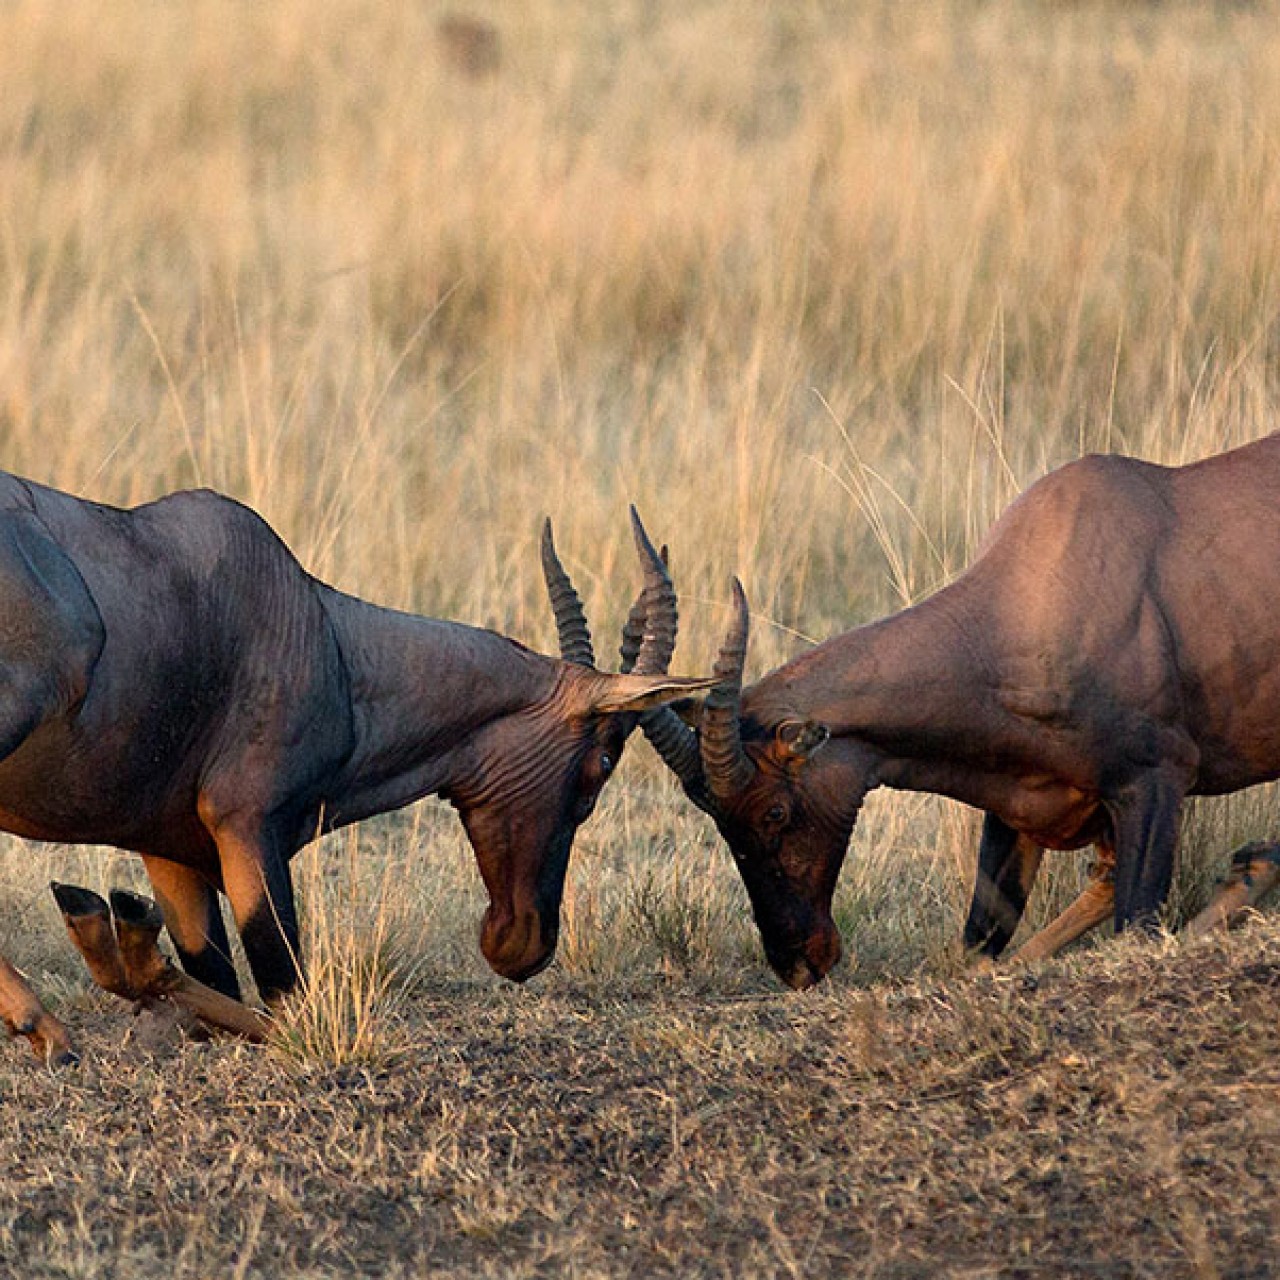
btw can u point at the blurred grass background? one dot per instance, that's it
(819, 286)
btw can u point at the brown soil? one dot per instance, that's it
(1115, 1115)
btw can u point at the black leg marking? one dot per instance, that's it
(270, 935)
(212, 964)
(1007, 866)
(1145, 817)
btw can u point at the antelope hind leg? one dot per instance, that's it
(138, 923)
(1255, 871)
(24, 1015)
(1090, 909)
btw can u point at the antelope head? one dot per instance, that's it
(537, 773)
(783, 799)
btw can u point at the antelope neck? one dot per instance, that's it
(419, 688)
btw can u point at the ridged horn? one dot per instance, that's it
(669, 736)
(633, 629)
(726, 763)
(659, 615)
(566, 604)
(677, 744)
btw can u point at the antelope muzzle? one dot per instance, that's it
(803, 964)
(518, 946)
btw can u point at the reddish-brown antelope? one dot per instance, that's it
(1114, 648)
(172, 682)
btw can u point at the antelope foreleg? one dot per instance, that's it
(24, 1015)
(119, 946)
(1255, 871)
(1007, 867)
(188, 901)
(88, 921)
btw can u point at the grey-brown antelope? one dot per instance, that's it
(1114, 648)
(173, 682)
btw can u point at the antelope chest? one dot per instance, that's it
(1054, 814)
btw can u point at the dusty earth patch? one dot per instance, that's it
(1117, 1114)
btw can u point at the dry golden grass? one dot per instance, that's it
(820, 287)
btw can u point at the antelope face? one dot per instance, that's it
(538, 782)
(787, 827)
(533, 777)
(785, 797)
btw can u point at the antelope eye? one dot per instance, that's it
(777, 814)
(606, 763)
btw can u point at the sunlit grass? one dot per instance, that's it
(820, 287)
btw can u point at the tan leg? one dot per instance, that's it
(126, 961)
(189, 904)
(1255, 871)
(1090, 909)
(24, 1015)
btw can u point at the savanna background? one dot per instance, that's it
(820, 287)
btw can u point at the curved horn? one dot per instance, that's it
(571, 621)
(727, 766)
(677, 744)
(669, 736)
(659, 618)
(633, 628)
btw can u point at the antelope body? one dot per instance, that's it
(1114, 648)
(173, 682)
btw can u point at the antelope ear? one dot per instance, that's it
(639, 693)
(797, 740)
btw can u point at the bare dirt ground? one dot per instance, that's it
(1117, 1114)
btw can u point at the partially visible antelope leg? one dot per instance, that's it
(118, 944)
(88, 921)
(1089, 910)
(1007, 867)
(1255, 871)
(192, 918)
(24, 1015)
(155, 977)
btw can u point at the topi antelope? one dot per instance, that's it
(1114, 648)
(172, 682)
